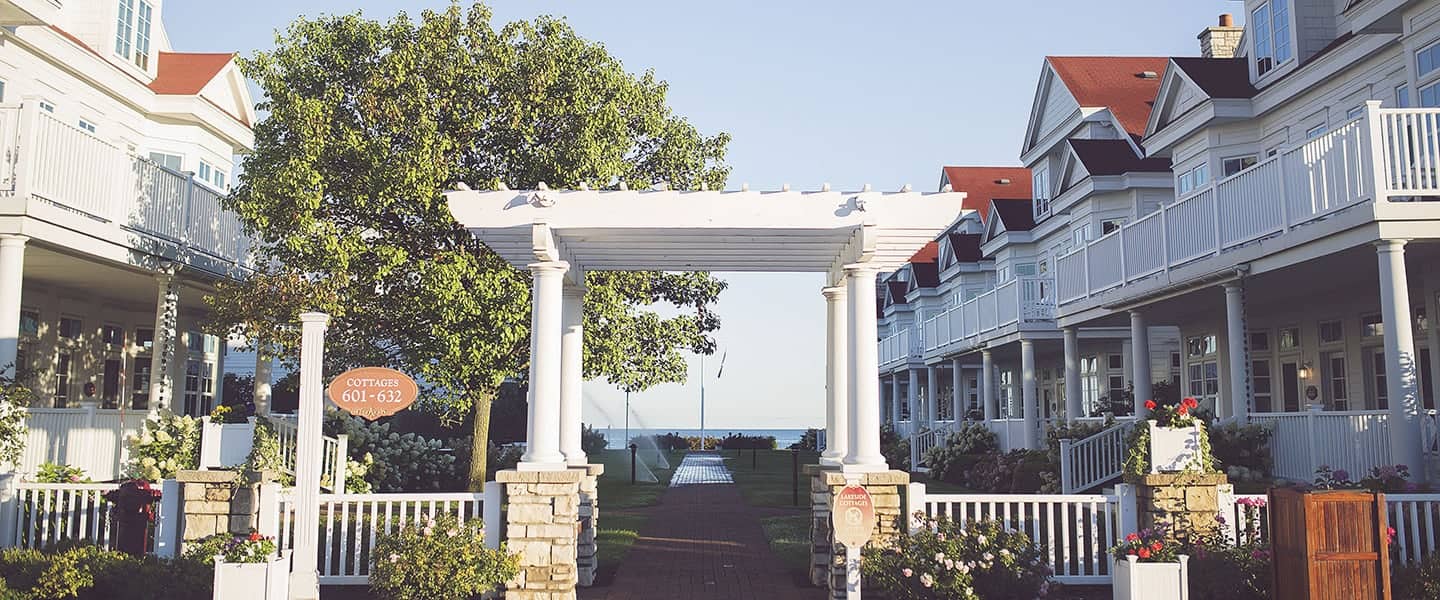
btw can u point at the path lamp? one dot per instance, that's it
(633, 448)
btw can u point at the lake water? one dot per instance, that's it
(783, 437)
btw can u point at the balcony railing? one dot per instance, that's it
(1383, 154)
(900, 347)
(1018, 302)
(51, 161)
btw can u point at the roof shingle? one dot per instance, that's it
(1219, 77)
(186, 73)
(1114, 157)
(1120, 83)
(983, 184)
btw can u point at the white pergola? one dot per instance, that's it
(560, 234)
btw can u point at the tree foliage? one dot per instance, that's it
(370, 122)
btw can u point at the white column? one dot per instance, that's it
(932, 396)
(957, 391)
(1074, 396)
(542, 429)
(987, 385)
(837, 396)
(264, 373)
(863, 451)
(572, 373)
(1140, 361)
(912, 398)
(1239, 363)
(12, 278)
(304, 580)
(895, 399)
(1028, 396)
(1400, 369)
(167, 315)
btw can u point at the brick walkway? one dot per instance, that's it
(702, 542)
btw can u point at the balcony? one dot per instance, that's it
(64, 175)
(1018, 304)
(899, 348)
(1384, 154)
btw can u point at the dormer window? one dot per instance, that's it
(132, 31)
(1041, 190)
(1270, 24)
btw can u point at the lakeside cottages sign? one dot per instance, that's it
(373, 392)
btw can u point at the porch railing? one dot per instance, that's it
(334, 453)
(1387, 154)
(900, 347)
(1302, 442)
(90, 438)
(1018, 302)
(1094, 460)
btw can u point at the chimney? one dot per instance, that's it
(1222, 40)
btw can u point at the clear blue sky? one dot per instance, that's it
(841, 92)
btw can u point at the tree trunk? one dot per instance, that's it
(480, 440)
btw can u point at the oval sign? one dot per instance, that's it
(852, 516)
(373, 392)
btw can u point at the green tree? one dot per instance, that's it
(370, 122)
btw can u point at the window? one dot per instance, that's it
(1336, 390)
(1109, 226)
(174, 162)
(1040, 187)
(2, 91)
(1025, 270)
(1259, 341)
(1204, 382)
(204, 173)
(1002, 274)
(62, 379)
(1200, 346)
(219, 179)
(1081, 234)
(212, 344)
(1236, 164)
(1427, 59)
(112, 336)
(1289, 338)
(142, 35)
(1332, 332)
(192, 389)
(1090, 386)
(144, 337)
(1354, 113)
(1115, 361)
(1270, 23)
(1315, 132)
(29, 323)
(70, 328)
(1402, 96)
(47, 106)
(1430, 95)
(1374, 359)
(1193, 179)
(1371, 326)
(1261, 385)
(194, 341)
(86, 125)
(124, 28)
(1421, 322)
(140, 392)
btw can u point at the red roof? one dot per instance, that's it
(186, 73)
(1115, 82)
(929, 253)
(983, 184)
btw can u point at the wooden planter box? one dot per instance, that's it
(1329, 545)
(225, 445)
(1173, 449)
(1136, 580)
(253, 581)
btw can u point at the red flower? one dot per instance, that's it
(1144, 553)
(1131, 537)
(1149, 405)
(1130, 552)
(254, 536)
(1183, 410)
(1157, 546)
(1191, 403)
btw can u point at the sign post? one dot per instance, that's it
(852, 518)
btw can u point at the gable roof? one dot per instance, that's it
(1218, 77)
(1113, 157)
(966, 246)
(1015, 214)
(186, 73)
(925, 267)
(1114, 82)
(896, 291)
(983, 184)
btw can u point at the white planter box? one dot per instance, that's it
(1151, 581)
(225, 445)
(1173, 449)
(253, 581)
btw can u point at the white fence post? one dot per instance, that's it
(1226, 506)
(167, 523)
(1067, 468)
(1375, 152)
(914, 507)
(9, 512)
(342, 462)
(268, 521)
(490, 509)
(1310, 416)
(1126, 502)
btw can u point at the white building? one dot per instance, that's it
(117, 152)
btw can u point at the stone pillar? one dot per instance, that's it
(863, 381)
(304, 578)
(1074, 396)
(932, 396)
(1189, 500)
(12, 279)
(1400, 369)
(827, 560)
(572, 374)
(987, 385)
(1239, 363)
(837, 397)
(589, 511)
(219, 501)
(957, 391)
(167, 317)
(1140, 360)
(264, 373)
(542, 526)
(1028, 396)
(542, 449)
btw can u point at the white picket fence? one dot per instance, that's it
(40, 515)
(1301, 442)
(350, 524)
(90, 438)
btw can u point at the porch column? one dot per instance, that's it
(837, 397)
(912, 398)
(932, 397)
(957, 390)
(1028, 394)
(1239, 352)
(1400, 367)
(987, 385)
(1074, 397)
(572, 372)
(304, 580)
(863, 381)
(12, 277)
(264, 373)
(1140, 359)
(894, 400)
(542, 450)
(167, 315)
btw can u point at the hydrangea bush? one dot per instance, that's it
(13, 400)
(57, 473)
(975, 560)
(439, 559)
(167, 443)
(391, 462)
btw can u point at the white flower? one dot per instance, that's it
(907, 572)
(987, 557)
(147, 461)
(939, 557)
(926, 580)
(452, 532)
(949, 564)
(161, 436)
(980, 539)
(394, 558)
(1005, 552)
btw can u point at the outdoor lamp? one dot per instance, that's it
(1304, 371)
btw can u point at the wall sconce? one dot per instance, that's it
(1305, 371)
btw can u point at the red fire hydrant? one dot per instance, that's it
(132, 511)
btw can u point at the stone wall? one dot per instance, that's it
(589, 511)
(827, 556)
(1188, 500)
(542, 526)
(219, 501)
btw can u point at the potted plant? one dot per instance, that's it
(1148, 566)
(1175, 436)
(248, 567)
(226, 437)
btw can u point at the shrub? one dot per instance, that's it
(1418, 580)
(810, 440)
(977, 560)
(740, 441)
(669, 441)
(440, 559)
(1023, 471)
(167, 443)
(13, 400)
(93, 573)
(894, 448)
(953, 460)
(265, 452)
(1385, 478)
(396, 462)
(53, 473)
(693, 442)
(1242, 451)
(591, 440)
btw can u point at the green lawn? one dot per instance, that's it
(616, 491)
(766, 478)
(618, 532)
(790, 540)
(939, 487)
